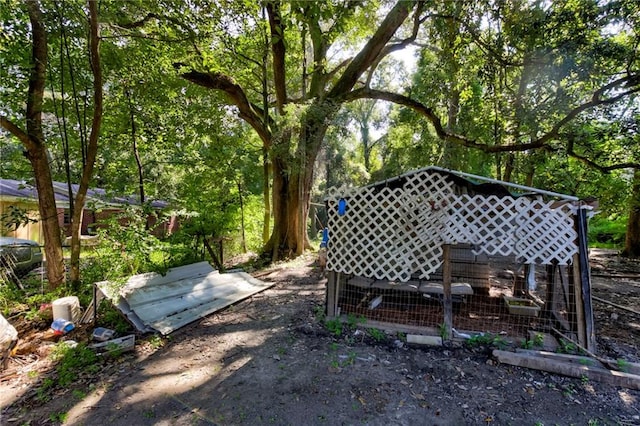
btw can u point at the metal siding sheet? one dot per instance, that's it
(183, 295)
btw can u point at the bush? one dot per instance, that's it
(607, 232)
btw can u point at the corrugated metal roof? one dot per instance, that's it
(165, 303)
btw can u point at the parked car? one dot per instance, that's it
(19, 256)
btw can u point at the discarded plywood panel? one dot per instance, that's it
(165, 303)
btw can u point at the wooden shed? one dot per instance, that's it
(445, 252)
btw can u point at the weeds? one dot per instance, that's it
(443, 331)
(623, 365)
(536, 342)
(566, 347)
(353, 321)
(377, 334)
(156, 341)
(334, 326)
(72, 361)
(58, 417)
(319, 313)
(487, 339)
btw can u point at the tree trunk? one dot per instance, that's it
(508, 167)
(36, 150)
(266, 224)
(292, 182)
(92, 148)
(632, 238)
(48, 215)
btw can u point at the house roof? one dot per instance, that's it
(19, 190)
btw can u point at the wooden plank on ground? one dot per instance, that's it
(573, 359)
(571, 369)
(624, 308)
(620, 365)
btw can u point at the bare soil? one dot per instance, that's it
(270, 360)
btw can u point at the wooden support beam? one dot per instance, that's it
(331, 297)
(585, 278)
(576, 303)
(447, 302)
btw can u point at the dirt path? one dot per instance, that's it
(268, 360)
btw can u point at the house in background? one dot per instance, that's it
(99, 206)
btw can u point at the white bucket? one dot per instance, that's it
(67, 308)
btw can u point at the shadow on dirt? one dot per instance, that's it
(270, 360)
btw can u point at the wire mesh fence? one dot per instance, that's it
(490, 294)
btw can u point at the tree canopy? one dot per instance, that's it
(213, 103)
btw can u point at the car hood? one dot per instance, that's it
(10, 241)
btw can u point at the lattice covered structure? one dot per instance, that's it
(435, 246)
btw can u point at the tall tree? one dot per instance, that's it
(35, 145)
(92, 146)
(293, 127)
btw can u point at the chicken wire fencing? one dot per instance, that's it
(513, 260)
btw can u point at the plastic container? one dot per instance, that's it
(67, 308)
(102, 334)
(61, 326)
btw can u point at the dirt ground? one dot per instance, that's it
(270, 360)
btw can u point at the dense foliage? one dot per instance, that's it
(239, 112)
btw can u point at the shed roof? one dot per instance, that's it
(475, 183)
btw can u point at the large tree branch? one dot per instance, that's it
(16, 131)
(631, 82)
(367, 56)
(431, 116)
(397, 46)
(249, 112)
(590, 163)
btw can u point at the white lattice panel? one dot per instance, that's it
(363, 241)
(393, 234)
(546, 235)
(488, 222)
(426, 204)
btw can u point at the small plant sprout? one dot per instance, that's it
(442, 331)
(334, 326)
(538, 340)
(623, 365)
(377, 334)
(156, 341)
(319, 313)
